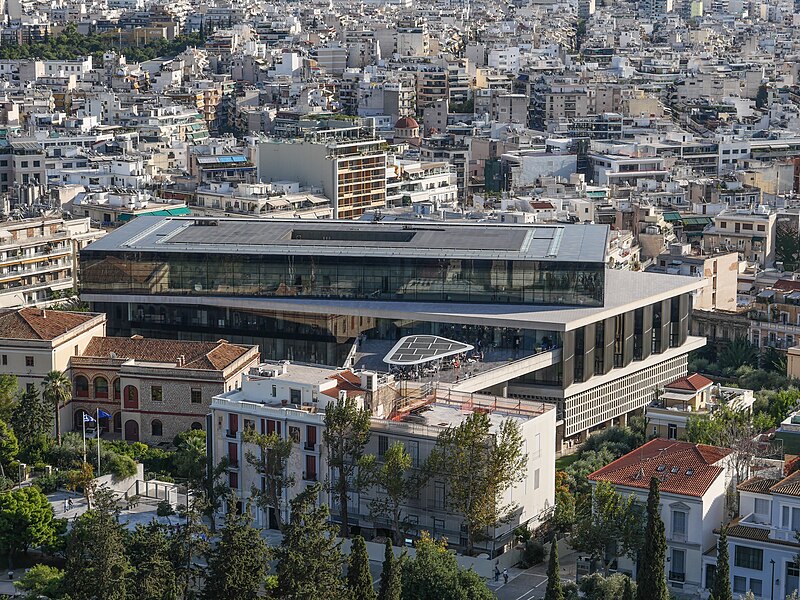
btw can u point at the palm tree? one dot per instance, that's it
(57, 391)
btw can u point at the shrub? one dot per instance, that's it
(50, 483)
(533, 553)
(119, 465)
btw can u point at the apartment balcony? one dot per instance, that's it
(677, 576)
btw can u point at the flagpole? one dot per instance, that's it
(84, 436)
(98, 441)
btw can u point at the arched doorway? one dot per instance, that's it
(117, 422)
(131, 431)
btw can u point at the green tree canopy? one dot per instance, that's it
(9, 389)
(434, 573)
(96, 563)
(270, 462)
(479, 466)
(26, 521)
(609, 526)
(359, 578)
(31, 417)
(396, 482)
(9, 448)
(390, 587)
(309, 557)
(57, 391)
(346, 434)
(42, 581)
(153, 573)
(237, 565)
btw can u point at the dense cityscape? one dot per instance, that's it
(392, 300)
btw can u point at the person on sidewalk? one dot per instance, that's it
(496, 573)
(505, 576)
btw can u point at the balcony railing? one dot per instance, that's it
(675, 576)
(309, 476)
(309, 446)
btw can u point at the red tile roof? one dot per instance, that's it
(692, 383)
(347, 381)
(789, 486)
(682, 468)
(40, 324)
(787, 285)
(205, 356)
(541, 204)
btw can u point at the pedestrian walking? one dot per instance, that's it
(496, 574)
(66, 505)
(69, 503)
(505, 576)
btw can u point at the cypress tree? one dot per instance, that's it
(554, 589)
(309, 556)
(651, 584)
(390, 575)
(359, 579)
(627, 592)
(721, 590)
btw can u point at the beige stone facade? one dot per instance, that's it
(152, 396)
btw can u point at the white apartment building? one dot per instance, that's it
(619, 169)
(694, 479)
(749, 232)
(38, 259)
(762, 540)
(411, 182)
(290, 399)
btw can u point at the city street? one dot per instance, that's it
(530, 584)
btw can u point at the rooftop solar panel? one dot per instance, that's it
(419, 349)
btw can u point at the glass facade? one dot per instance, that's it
(325, 339)
(343, 277)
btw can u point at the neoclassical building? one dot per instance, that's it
(154, 389)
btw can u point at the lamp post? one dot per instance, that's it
(772, 580)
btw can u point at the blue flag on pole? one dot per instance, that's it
(103, 414)
(87, 418)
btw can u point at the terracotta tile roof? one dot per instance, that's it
(757, 534)
(692, 383)
(757, 485)
(39, 324)
(683, 468)
(787, 285)
(347, 381)
(789, 486)
(205, 356)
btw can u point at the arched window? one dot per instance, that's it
(77, 420)
(118, 422)
(156, 428)
(131, 397)
(81, 387)
(100, 387)
(197, 425)
(117, 391)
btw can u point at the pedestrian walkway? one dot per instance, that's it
(531, 584)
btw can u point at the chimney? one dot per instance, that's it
(44, 314)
